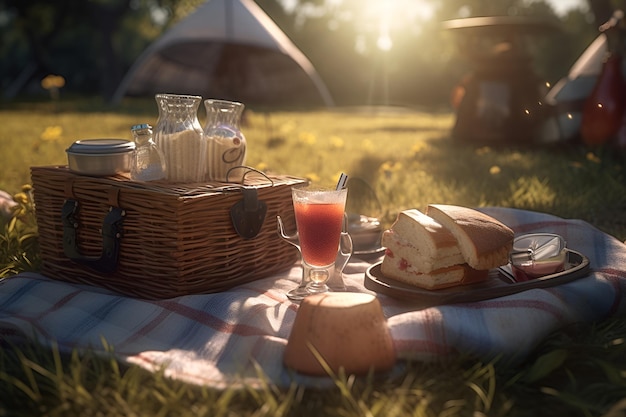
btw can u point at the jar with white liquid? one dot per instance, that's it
(179, 135)
(148, 162)
(226, 144)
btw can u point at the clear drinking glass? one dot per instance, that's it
(319, 220)
(335, 282)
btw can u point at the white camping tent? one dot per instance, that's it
(227, 49)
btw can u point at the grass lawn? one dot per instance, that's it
(408, 159)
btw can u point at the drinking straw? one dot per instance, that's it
(343, 180)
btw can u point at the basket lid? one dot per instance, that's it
(101, 146)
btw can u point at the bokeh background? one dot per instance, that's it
(391, 52)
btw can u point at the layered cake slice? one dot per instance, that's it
(438, 279)
(419, 240)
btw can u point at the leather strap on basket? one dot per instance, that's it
(248, 214)
(111, 232)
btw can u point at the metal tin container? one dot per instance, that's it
(537, 254)
(100, 157)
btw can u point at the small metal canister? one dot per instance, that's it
(537, 254)
(100, 157)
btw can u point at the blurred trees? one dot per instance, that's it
(366, 55)
(89, 42)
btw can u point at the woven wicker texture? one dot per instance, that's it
(177, 239)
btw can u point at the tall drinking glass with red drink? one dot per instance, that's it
(319, 218)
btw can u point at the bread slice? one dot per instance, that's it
(416, 236)
(450, 276)
(484, 241)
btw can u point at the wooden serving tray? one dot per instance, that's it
(500, 283)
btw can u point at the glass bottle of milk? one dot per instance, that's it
(226, 144)
(148, 160)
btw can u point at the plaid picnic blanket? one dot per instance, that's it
(238, 336)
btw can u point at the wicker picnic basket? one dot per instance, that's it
(161, 240)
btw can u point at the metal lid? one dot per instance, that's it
(101, 146)
(141, 126)
(536, 247)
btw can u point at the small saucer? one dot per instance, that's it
(370, 254)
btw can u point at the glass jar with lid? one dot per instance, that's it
(148, 163)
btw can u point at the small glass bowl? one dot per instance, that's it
(536, 255)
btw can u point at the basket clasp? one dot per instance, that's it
(248, 214)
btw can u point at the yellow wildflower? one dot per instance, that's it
(307, 138)
(336, 177)
(287, 127)
(53, 81)
(367, 145)
(336, 142)
(21, 198)
(388, 168)
(495, 170)
(52, 133)
(313, 177)
(593, 158)
(418, 147)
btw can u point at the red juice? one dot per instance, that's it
(319, 229)
(537, 269)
